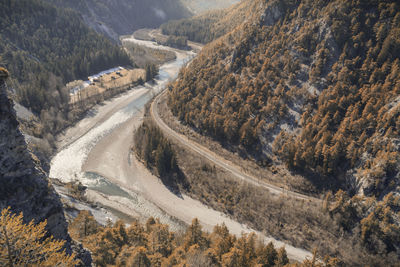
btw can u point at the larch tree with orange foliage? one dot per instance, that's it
(26, 244)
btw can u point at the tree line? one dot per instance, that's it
(156, 151)
(318, 97)
(153, 244)
(45, 47)
(197, 29)
(338, 89)
(180, 42)
(213, 24)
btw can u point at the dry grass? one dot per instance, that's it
(143, 55)
(275, 174)
(301, 223)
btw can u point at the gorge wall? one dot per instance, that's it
(23, 184)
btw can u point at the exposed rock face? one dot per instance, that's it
(23, 184)
(271, 15)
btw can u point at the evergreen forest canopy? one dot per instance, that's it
(314, 84)
(199, 7)
(197, 29)
(45, 47)
(153, 244)
(120, 17)
(211, 25)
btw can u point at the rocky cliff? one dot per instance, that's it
(23, 184)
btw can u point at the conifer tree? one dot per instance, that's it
(281, 258)
(27, 245)
(139, 258)
(194, 235)
(83, 225)
(267, 255)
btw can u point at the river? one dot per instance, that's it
(77, 142)
(96, 152)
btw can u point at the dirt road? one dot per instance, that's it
(216, 159)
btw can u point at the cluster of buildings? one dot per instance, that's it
(94, 78)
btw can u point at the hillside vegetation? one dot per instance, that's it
(28, 244)
(153, 244)
(313, 85)
(317, 87)
(45, 47)
(156, 152)
(356, 230)
(212, 24)
(120, 17)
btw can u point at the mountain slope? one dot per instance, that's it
(120, 17)
(198, 7)
(313, 85)
(213, 24)
(23, 185)
(45, 47)
(305, 86)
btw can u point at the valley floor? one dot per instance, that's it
(97, 152)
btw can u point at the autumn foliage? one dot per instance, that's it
(154, 244)
(28, 244)
(314, 83)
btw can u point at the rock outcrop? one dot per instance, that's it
(23, 184)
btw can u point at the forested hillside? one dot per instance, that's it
(213, 24)
(120, 17)
(45, 47)
(198, 7)
(311, 83)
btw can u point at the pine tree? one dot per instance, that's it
(267, 255)
(222, 241)
(281, 258)
(139, 258)
(160, 240)
(25, 244)
(231, 259)
(83, 225)
(136, 234)
(194, 235)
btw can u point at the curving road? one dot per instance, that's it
(216, 159)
